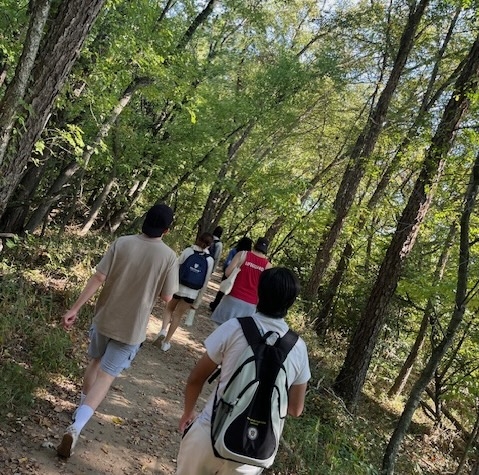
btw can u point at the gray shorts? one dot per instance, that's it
(114, 355)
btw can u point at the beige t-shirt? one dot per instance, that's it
(138, 269)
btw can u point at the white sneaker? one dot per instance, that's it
(165, 346)
(69, 440)
(160, 337)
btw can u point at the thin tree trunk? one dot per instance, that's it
(13, 220)
(65, 176)
(119, 216)
(15, 93)
(211, 212)
(350, 380)
(457, 315)
(96, 206)
(360, 154)
(406, 368)
(470, 443)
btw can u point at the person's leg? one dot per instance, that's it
(116, 357)
(180, 310)
(89, 379)
(195, 456)
(217, 300)
(168, 313)
(90, 375)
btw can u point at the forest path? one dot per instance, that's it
(135, 429)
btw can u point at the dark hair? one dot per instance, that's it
(244, 244)
(277, 290)
(157, 220)
(218, 231)
(204, 240)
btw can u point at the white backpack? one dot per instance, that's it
(248, 418)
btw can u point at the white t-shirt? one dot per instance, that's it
(227, 343)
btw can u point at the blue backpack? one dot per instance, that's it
(193, 271)
(212, 248)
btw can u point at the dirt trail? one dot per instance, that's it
(133, 431)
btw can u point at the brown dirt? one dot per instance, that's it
(133, 431)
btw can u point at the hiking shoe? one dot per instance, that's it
(69, 440)
(160, 337)
(165, 346)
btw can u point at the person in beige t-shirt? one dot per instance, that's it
(133, 272)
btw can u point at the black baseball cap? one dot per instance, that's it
(157, 220)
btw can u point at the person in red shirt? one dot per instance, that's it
(243, 297)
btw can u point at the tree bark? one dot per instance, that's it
(406, 368)
(457, 315)
(428, 101)
(350, 380)
(360, 154)
(97, 204)
(61, 48)
(10, 104)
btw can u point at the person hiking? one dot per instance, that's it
(277, 290)
(134, 271)
(215, 249)
(244, 244)
(188, 289)
(243, 297)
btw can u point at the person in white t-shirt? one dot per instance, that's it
(184, 298)
(277, 290)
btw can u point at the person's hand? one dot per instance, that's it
(186, 420)
(69, 319)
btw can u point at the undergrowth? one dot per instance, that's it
(39, 280)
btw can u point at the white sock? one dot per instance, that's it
(82, 398)
(83, 415)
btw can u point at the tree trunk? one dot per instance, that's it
(53, 64)
(472, 442)
(119, 216)
(360, 154)
(406, 368)
(428, 101)
(211, 212)
(13, 220)
(96, 206)
(15, 93)
(350, 380)
(54, 192)
(459, 308)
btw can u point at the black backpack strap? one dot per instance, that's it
(253, 336)
(250, 330)
(286, 342)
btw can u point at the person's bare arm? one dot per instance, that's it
(194, 384)
(237, 261)
(296, 395)
(93, 284)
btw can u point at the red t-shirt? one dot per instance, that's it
(246, 284)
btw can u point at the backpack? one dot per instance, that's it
(212, 248)
(193, 271)
(248, 418)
